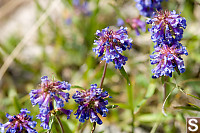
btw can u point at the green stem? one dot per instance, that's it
(100, 86)
(129, 92)
(103, 76)
(130, 99)
(79, 127)
(133, 119)
(60, 123)
(164, 91)
(93, 127)
(165, 88)
(83, 127)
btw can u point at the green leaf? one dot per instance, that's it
(66, 126)
(187, 108)
(112, 106)
(129, 87)
(17, 104)
(193, 96)
(177, 70)
(123, 105)
(149, 117)
(149, 93)
(125, 75)
(76, 86)
(51, 120)
(41, 131)
(194, 105)
(154, 117)
(172, 84)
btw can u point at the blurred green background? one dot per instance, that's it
(62, 45)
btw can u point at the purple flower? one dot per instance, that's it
(50, 91)
(136, 23)
(147, 7)
(120, 22)
(68, 21)
(19, 123)
(44, 118)
(167, 26)
(81, 8)
(168, 59)
(110, 45)
(91, 102)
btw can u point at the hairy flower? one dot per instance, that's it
(19, 123)
(137, 24)
(50, 91)
(168, 59)
(110, 45)
(91, 102)
(147, 7)
(167, 26)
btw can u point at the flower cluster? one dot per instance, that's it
(136, 23)
(167, 31)
(147, 7)
(49, 92)
(110, 45)
(19, 123)
(90, 103)
(167, 26)
(168, 59)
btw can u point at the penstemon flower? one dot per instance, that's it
(137, 24)
(19, 123)
(168, 59)
(147, 7)
(110, 45)
(49, 92)
(167, 26)
(91, 102)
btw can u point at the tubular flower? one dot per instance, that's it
(50, 91)
(168, 59)
(91, 102)
(147, 7)
(110, 45)
(19, 123)
(136, 23)
(167, 26)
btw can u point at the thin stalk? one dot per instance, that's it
(93, 127)
(164, 91)
(133, 119)
(164, 88)
(130, 99)
(103, 76)
(79, 126)
(129, 92)
(60, 123)
(83, 127)
(100, 86)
